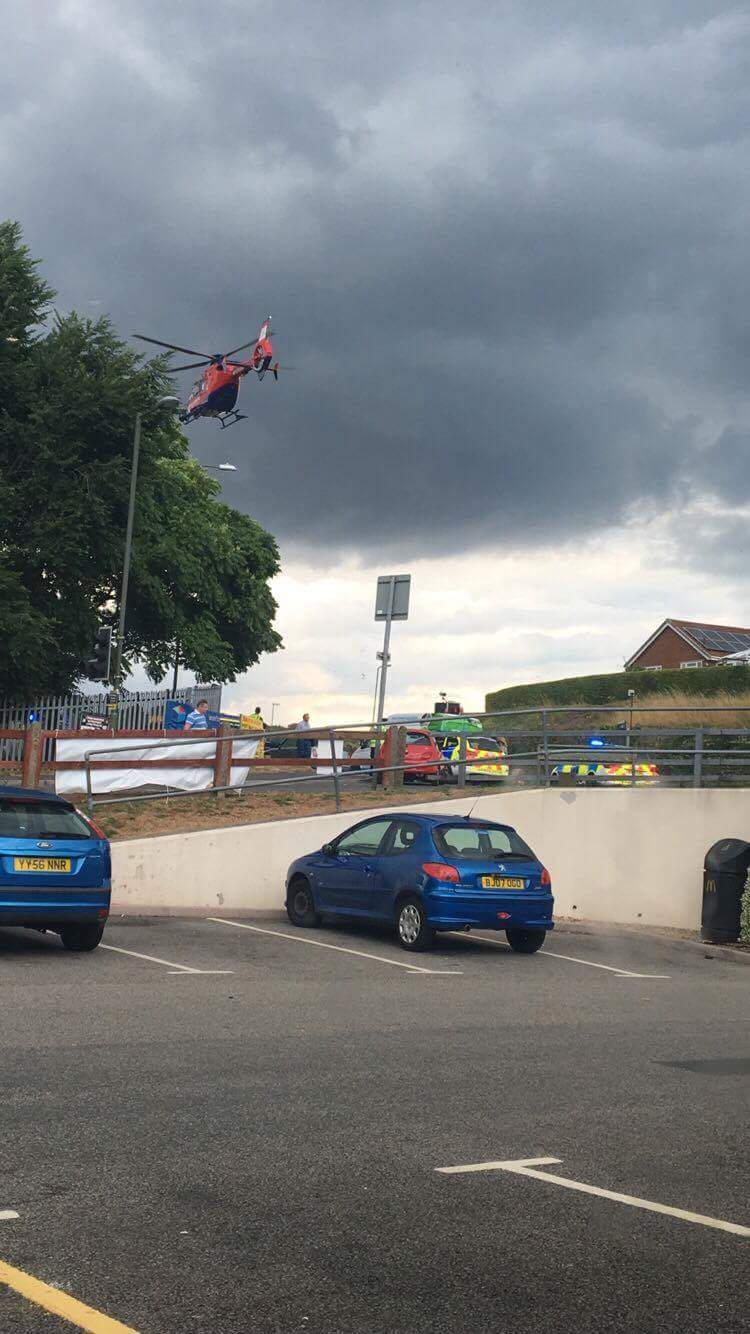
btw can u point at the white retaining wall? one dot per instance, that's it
(615, 855)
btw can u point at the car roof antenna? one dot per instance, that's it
(474, 803)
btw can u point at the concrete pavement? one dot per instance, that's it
(217, 1129)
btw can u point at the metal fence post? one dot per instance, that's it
(545, 746)
(335, 768)
(462, 760)
(698, 757)
(32, 756)
(89, 788)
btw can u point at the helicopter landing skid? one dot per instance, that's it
(229, 418)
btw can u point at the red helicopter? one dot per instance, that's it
(215, 393)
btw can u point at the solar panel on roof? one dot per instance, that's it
(715, 640)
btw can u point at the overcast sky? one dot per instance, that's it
(505, 247)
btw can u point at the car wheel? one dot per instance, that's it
(300, 905)
(81, 938)
(525, 942)
(412, 928)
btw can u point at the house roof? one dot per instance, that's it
(709, 640)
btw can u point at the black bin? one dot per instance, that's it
(724, 876)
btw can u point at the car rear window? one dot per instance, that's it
(480, 841)
(485, 743)
(40, 819)
(418, 739)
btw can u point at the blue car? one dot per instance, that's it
(55, 868)
(424, 874)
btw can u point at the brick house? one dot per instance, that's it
(689, 644)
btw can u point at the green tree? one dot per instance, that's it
(200, 569)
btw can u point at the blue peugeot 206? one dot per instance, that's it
(55, 870)
(424, 874)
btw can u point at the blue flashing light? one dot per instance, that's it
(33, 717)
(597, 741)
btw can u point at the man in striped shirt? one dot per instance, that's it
(197, 721)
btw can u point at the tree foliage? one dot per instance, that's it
(200, 569)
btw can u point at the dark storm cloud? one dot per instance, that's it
(504, 245)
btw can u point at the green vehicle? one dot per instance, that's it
(444, 724)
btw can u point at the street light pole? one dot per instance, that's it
(126, 560)
(167, 400)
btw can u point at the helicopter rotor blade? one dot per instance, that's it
(241, 347)
(191, 365)
(175, 347)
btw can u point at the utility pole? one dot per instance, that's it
(117, 680)
(167, 401)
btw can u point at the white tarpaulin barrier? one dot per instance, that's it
(323, 752)
(161, 774)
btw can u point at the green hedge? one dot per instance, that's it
(613, 687)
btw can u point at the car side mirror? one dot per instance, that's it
(328, 850)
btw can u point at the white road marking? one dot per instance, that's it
(620, 972)
(526, 1167)
(324, 945)
(175, 967)
(571, 958)
(7, 1214)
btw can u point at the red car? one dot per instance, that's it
(421, 752)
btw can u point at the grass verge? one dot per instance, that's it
(173, 815)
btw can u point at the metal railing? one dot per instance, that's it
(681, 757)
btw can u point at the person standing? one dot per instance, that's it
(255, 723)
(304, 744)
(197, 720)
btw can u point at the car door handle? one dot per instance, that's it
(368, 870)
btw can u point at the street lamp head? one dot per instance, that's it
(227, 467)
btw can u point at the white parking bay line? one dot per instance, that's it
(570, 958)
(527, 1167)
(7, 1214)
(342, 949)
(620, 972)
(175, 968)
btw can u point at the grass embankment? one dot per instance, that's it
(175, 815)
(700, 690)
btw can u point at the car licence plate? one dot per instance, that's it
(502, 882)
(41, 864)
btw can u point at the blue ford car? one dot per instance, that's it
(423, 874)
(55, 870)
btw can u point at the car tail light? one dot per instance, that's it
(441, 871)
(99, 832)
(546, 877)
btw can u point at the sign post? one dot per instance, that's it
(391, 604)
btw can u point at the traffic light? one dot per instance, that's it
(97, 666)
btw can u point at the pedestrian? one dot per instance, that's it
(254, 723)
(197, 720)
(304, 744)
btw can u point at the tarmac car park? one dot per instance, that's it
(230, 1123)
